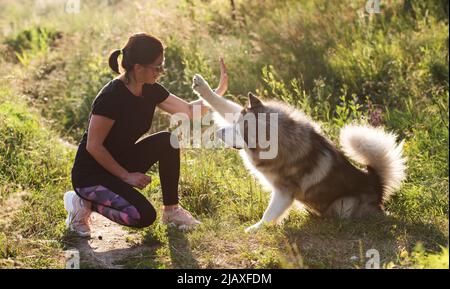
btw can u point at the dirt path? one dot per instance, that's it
(110, 243)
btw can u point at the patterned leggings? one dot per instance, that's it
(111, 205)
(120, 202)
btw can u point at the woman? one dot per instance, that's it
(110, 164)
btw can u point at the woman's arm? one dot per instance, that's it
(99, 127)
(173, 104)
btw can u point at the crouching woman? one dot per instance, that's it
(111, 164)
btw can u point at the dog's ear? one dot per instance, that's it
(253, 100)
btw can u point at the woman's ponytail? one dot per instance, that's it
(113, 60)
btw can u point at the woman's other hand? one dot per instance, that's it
(137, 179)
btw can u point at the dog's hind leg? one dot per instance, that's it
(218, 103)
(279, 204)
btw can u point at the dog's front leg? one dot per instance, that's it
(279, 203)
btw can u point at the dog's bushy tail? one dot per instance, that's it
(377, 149)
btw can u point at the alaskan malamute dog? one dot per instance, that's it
(308, 167)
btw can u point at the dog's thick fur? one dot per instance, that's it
(308, 167)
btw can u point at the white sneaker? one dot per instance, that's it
(180, 218)
(79, 212)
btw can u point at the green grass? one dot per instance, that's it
(327, 58)
(32, 159)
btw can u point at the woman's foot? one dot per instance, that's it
(179, 217)
(79, 212)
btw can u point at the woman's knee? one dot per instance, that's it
(148, 217)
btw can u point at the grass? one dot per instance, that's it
(328, 58)
(33, 159)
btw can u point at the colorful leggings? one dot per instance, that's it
(120, 202)
(111, 205)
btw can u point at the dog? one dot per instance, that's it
(307, 166)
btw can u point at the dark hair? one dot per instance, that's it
(141, 48)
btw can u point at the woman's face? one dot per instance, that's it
(150, 73)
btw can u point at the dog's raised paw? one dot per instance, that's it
(200, 85)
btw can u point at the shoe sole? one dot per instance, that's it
(181, 227)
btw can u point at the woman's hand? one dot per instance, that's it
(203, 107)
(223, 84)
(137, 179)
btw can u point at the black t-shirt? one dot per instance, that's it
(133, 117)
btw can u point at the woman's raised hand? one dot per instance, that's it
(223, 84)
